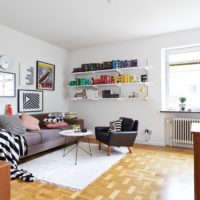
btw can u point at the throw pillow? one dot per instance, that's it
(52, 125)
(56, 125)
(127, 124)
(116, 125)
(29, 122)
(12, 124)
(53, 119)
(56, 114)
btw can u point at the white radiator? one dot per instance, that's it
(179, 130)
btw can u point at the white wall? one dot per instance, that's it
(25, 49)
(148, 113)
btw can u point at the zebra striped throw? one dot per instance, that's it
(11, 148)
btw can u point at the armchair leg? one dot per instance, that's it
(109, 150)
(130, 149)
(99, 145)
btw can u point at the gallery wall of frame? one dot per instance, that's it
(32, 81)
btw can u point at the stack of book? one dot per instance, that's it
(70, 115)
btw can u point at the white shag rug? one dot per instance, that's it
(56, 169)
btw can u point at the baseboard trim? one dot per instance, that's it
(150, 143)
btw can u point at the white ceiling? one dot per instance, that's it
(73, 24)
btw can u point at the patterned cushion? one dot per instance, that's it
(116, 125)
(53, 119)
(12, 124)
(56, 114)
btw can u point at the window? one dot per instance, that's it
(183, 78)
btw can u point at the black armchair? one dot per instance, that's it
(126, 137)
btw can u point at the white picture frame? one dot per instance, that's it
(7, 84)
(26, 75)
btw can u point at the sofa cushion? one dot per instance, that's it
(50, 134)
(41, 117)
(32, 138)
(57, 125)
(12, 124)
(127, 124)
(29, 122)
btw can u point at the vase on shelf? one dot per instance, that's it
(182, 106)
(9, 110)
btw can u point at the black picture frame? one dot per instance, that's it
(13, 84)
(45, 76)
(30, 100)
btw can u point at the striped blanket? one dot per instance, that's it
(11, 148)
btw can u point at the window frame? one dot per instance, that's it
(165, 53)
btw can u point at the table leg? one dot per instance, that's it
(89, 153)
(77, 146)
(89, 145)
(65, 145)
(76, 152)
(69, 151)
(64, 154)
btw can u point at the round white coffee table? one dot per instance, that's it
(78, 135)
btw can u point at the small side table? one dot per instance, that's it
(4, 180)
(78, 136)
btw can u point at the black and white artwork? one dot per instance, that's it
(30, 101)
(26, 75)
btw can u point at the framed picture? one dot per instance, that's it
(7, 84)
(45, 76)
(30, 101)
(26, 75)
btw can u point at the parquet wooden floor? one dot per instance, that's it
(149, 173)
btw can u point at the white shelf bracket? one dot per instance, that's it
(147, 69)
(118, 85)
(94, 86)
(117, 70)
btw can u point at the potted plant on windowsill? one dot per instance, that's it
(182, 104)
